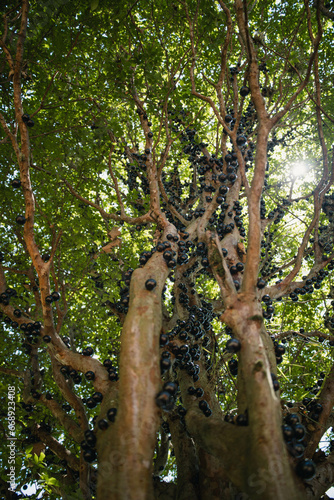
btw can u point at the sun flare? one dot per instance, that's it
(299, 169)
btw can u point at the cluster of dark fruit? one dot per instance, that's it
(113, 376)
(69, 372)
(185, 357)
(222, 228)
(197, 324)
(88, 446)
(279, 351)
(136, 168)
(276, 215)
(313, 407)
(7, 295)
(88, 351)
(328, 206)
(54, 297)
(266, 243)
(246, 125)
(186, 354)
(123, 304)
(241, 419)
(205, 164)
(32, 333)
(267, 314)
(27, 407)
(267, 268)
(93, 400)
(325, 238)
(27, 120)
(310, 285)
(203, 405)
(294, 433)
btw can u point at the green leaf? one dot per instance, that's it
(94, 4)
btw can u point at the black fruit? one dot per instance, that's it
(244, 91)
(20, 219)
(150, 284)
(170, 387)
(164, 400)
(103, 424)
(111, 414)
(16, 183)
(306, 469)
(299, 432)
(233, 345)
(90, 403)
(261, 283)
(288, 432)
(89, 455)
(97, 396)
(55, 296)
(241, 140)
(90, 438)
(90, 375)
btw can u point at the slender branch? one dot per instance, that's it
(66, 388)
(106, 216)
(12, 372)
(65, 420)
(56, 447)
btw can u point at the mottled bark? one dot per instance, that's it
(125, 454)
(267, 473)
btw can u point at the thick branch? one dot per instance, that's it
(326, 399)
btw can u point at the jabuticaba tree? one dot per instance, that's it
(166, 271)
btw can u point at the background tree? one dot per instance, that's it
(167, 248)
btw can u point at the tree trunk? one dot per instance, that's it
(268, 472)
(125, 454)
